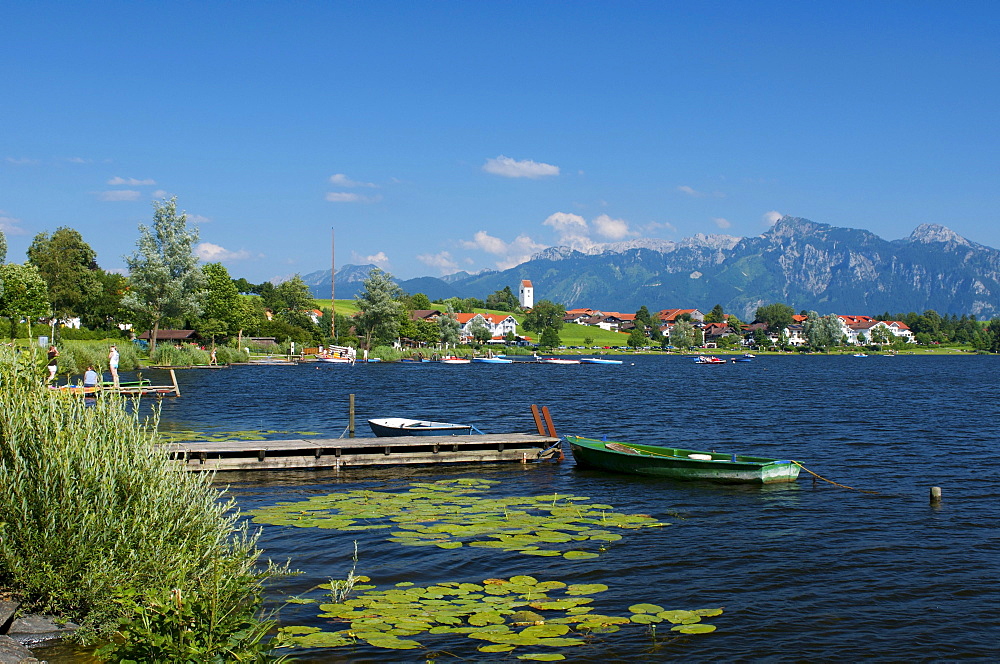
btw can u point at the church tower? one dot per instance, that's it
(526, 295)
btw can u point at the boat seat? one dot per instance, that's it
(700, 457)
(618, 447)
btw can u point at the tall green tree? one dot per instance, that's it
(448, 327)
(545, 314)
(69, 267)
(25, 295)
(550, 338)
(716, 315)
(503, 300)
(682, 334)
(637, 338)
(643, 318)
(3, 247)
(479, 330)
(163, 272)
(220, 302)
(103, 308)
(822, 332)
(777, 316)
(380, 309)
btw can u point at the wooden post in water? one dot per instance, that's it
(173, 379)
(935, 495)
(350, 421)
(538, 419)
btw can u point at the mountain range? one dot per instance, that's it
(805, 264)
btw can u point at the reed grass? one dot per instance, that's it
(96, 524)
(76, 356)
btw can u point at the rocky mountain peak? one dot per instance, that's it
(928, 233)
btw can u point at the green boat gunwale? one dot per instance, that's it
(677, 463)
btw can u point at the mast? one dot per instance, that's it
(333, 291)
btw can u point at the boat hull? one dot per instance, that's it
(595, 360)
(491, 360)
(398, 426)
(674, 463)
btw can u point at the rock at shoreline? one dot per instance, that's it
(35, 629)
(12, 652)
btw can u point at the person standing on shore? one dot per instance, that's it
(113, 358)
(53, 363)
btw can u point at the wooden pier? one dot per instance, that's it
(350, 452)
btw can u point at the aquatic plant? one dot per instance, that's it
(450, 514)
(96, 524)
(504, 614)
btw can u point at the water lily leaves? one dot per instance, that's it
(578, 555)
(545, 631)
(646, 619)
(543, 657)
(586, 588)
(700, 628)
(297, 630)
(524, 580)
(679, 617)
(645, 608)
(526, 618)
(449, 514)
(392, 642)
(486, 618)
(708, 612)
(496, 647)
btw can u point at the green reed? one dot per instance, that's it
(97, 526)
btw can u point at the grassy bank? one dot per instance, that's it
(97, 527)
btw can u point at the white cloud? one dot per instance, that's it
(11, 225)
(119, 195)
(197, 218)
(657, 225)
(211, 253)
(694, 193)
(722, 222)
(443, 261)
(79, 160)
(510, 168)
(160, 193)
(346, 197)
(378, 259)
(131, 182)
(509, 253)
(23, 161)
(341, 180)
(614, 229)
(572, 230)
(772, 217)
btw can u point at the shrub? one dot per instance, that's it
(98, 526)
(183, 355)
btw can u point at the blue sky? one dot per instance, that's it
(444, 136)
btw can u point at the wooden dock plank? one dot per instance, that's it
(345, 452)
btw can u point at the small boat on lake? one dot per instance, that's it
(492, 360)
(708, 359)
(454, 359)
(558, 360)
(598, 360)
(680, 464)
(401, 426)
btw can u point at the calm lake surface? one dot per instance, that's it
(805, 572)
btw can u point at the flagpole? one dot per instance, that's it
(333, 292)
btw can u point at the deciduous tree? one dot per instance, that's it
(25, 295)
(448, 327)
(777, 316)
(544, 314)
(163, 272)
(378, 319)
(69, 267)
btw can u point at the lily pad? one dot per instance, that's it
(645, 608)
(700, 628)
(543, 657)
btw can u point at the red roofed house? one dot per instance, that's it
(670, 316)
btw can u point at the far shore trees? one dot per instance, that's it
(163, 272)
(776, 316)
(448, 327)
(682, 334)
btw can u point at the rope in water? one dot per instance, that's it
(843, 486)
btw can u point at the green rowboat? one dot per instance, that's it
(679, 464)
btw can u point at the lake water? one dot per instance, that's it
(805, 571)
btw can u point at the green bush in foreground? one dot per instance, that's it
(96, 526)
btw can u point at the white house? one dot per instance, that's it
(526, 294)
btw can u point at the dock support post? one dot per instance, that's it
(935, 495)
(173, 379)
(350, 421)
